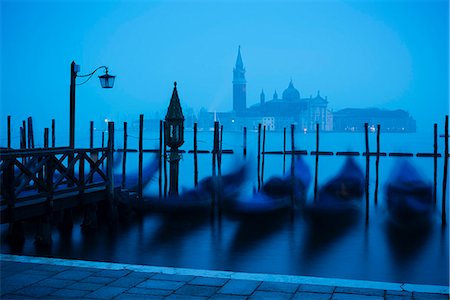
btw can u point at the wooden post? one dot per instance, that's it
(245, 142)
(219, 154)
(377, 164)
(53, 133)
(160, 153)
(292, 165)
(110, 174)
(45, 137)
(263, 154)
(91, 135)
(284, 150)
(9, 132)
(103, 142)
(30, 133)
(141, 140)
(195, 156)
(435, 150)
(214, 157)
(165, 160)
(124, 161)
(366, 129)
(259, 157)
(444, 183)
(317, 163)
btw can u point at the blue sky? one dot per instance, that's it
(387, 54)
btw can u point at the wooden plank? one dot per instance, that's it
(435, 155)
(401, 154)
(347, 153)
(326, 153)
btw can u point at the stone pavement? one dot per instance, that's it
(63, 279)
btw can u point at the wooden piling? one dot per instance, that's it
(9, 132)
(284, 150)
(91, 134)
(165, 159)
(30, 133)
(219, 156)
(195, 156)
(435, 157)
(124, 160)
(366, 129)
(53, 133)
(377, 164)
(292, 164)
(103, 142)
(110, 173)
(245, 142)
(444, 183)
(45, 137)
(214, 160)
(263, 155)
(141, 140)
(160, 157)
(259, 157)
(317, 163)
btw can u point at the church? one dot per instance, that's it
(276, 113)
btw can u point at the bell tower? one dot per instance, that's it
(239, 85)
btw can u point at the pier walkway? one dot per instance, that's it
(24, 277)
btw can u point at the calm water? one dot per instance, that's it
(290, 246)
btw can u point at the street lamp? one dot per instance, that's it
(174, 137)
(106, 81)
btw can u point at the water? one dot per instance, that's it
(289, 246)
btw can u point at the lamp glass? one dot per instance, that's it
(107, 81)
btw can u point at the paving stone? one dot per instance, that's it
(184, 297)
(138, 296)
(55, 283)
(14, 296)
(65, 293)
(278, 287)
(155, 292)
(127, 281)
(398, 297)
(18, 267)
(270, 295)
(9, 288)
(311, 296)
(53, 268)
(172, 277)
(5, 274)
(99, 280)
(72, 275)
(342, 296)
(160, 284)
(316, 288)
(39, 272)
(197, 290)
(227, 297)
(112, 273)
(35, 291)
(21, 281)
(428, 296)
(209, 281)
(239, 287)
(145, 275)
(398, 293)
(106, 292)
(85, 286)
(359, 291)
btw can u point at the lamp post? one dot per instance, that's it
(106, 81)
(174, 137)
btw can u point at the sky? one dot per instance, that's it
(386, 54)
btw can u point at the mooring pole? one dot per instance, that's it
(435, 157)
(317, 163)
(263, 154)
(124, 161)
(141, 137)
(444, 183)
(366, 129)
(195, 156)
(245, 142)
(377, 163)
(292, 165)
(259, 157)
(284, 150)
(30, 133)
(160, 155)
(46, 138)
(110, 174)
(53, 133)
(9, 132)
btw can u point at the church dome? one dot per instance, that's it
(291, 93)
